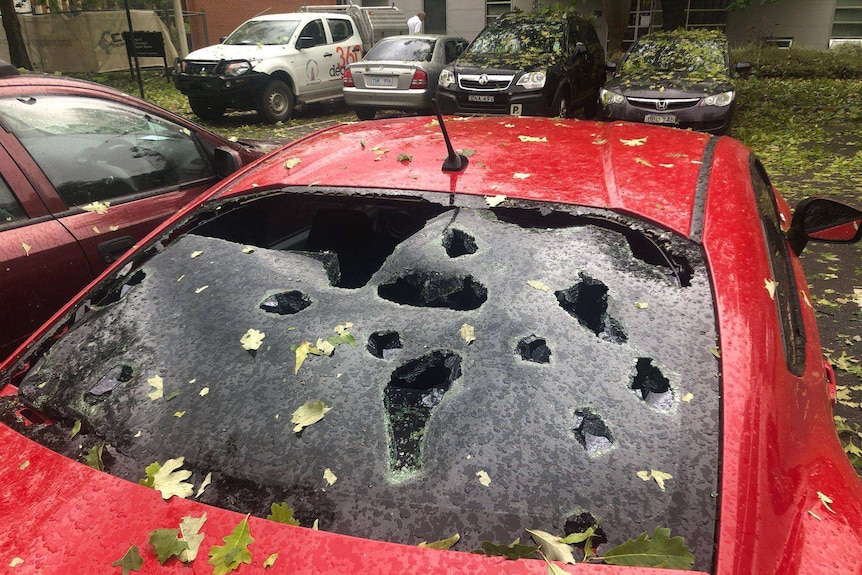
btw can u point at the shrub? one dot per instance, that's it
(840, 63)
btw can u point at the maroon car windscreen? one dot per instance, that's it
(481, 370)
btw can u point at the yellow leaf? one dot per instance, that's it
(252, 340)
(27, 247)
(195, 254)
(826, 501)
(302, 352)
(659, 476)
(687, 397)
(329, 476)
(484, 478)
(204, 391)
(247, 249)
(538, 284)
(309, 413)
(770, 287)
(532, 139)
(520, 176)
(292, 163)
(202, 288)
(158, 387)
(96, 229)
(16, 561)
(344, 328)
(637, 142)
(468, 333)
(641, 304)
(97, 207)
(169, 480)
(270, 561)
(495, 201)
(644, 162)
(204, 484)
(24, 465)
(179, 414)
(114, 228)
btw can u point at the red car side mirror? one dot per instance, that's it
(824, 220)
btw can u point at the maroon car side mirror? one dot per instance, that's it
(824, 220)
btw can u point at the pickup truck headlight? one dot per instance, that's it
(720, 100)
(607, 97)
(180, 66)
(237, 69)
(447, 78)
(532, 80)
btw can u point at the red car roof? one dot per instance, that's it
(632, 168)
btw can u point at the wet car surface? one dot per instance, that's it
(549, 356)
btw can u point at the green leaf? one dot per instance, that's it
(76, 429)
(309, 413)
(512, 551)
(225, 558)
(282, 513)
(573, 538)
(442, 543)
(404, 158)
(659, 551)
(552, 546)
(94, 456)
(151, 471)
(131, 561)
(166, 543)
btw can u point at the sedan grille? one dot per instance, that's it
(484, 82)
(663, 104)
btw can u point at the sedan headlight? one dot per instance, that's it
(447, 78)
(721, 100)
(237, 68)
(532, 80)
(607, 97)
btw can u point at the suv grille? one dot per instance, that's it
(667, 105)
(484, 82)
(201, 68)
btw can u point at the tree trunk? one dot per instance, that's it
(17, 49)
(617, 16)
(673, 14)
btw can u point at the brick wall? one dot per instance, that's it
(223, 16)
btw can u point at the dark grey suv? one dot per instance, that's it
(531, 64)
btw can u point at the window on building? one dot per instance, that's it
(645, 16)
(847, 22)
(495, 8)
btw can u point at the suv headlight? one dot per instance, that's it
(606, 97)
(447, 78)
(237, 68)
(532, 80)
(723, 99)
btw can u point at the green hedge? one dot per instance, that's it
(840, 63)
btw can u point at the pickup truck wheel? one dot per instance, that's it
(276, 102)
(205, 110)
(365, 113)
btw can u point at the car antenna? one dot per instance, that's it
(454, 162)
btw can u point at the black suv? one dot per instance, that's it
(527, 63)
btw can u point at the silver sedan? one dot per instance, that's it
(399, 73)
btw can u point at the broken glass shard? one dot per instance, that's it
(286, 303)
(587, 302)
(434, 289)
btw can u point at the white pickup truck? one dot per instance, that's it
(271, 63)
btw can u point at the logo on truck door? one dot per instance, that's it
(312, 70)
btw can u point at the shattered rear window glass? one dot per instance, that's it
(481, 371)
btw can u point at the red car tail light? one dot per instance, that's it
(420, 80)
(347, 79)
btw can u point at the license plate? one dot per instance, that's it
(660, 119)
(480, 98)
(382, 81)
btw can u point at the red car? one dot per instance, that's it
(567, 342)
(87, 172)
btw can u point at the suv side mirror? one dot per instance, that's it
(580, 48)
(611, 66)
(304, 42)
(824, 220)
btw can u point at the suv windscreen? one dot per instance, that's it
(481, 371)
(404, 50)
(265, 32)
(517, 40)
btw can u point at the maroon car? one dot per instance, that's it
(87, 171)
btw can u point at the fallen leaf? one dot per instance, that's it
(179, 414)
(190, 528)
(716, 352)
(315, 525)
(158, 385)
(512, 551)
(76, 429)
(130, 561)
(166, 543)
(468, 152)
(484, 478)
(520, 176)
(27, 247)
(204, 391)
(552, 546)
(554, 569)
(169, 480)
(539, 285)
(302, 352)
(329, 476)
(248, 249)
(270, 561)
(600, 141)
(666, 165)
(204, 484)
(308, 414)
(362, 143)
(770, 287)
(225, 558)
(96, 229)
(18, 561)
(292, 163)
(533, 139)
(404, 158)
(644, 162)
(635, 142)
(659, 476)
(325, 347)
(443, 544)
(252, 339)
(641, 305)
(687, 397)
(282, 513)
(173, 395)
(195, 254)
(826, 501)
(659, 551)
(468, 333)
(814, 515)
(495, 201)
(24, 465)
(97, 207)
(202, 288)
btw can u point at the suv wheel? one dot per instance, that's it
(365, 113)
(591, 107)
(275, 103)
(205, 110)
(560, 106)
